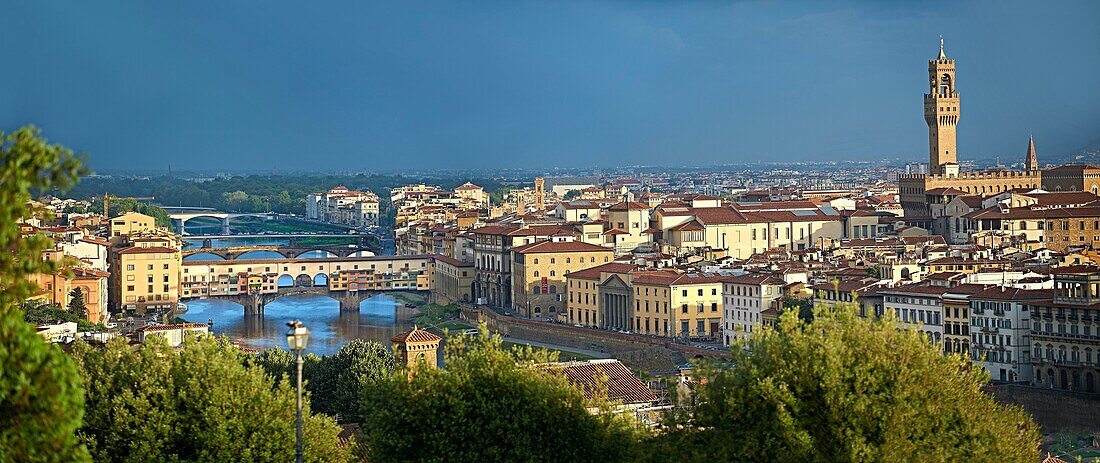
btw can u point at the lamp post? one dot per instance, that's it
(296, 338)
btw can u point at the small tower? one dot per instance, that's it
(415, 346)
(1031, 163)
(941, 112)
(539, 193)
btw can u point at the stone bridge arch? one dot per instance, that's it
(254, 303)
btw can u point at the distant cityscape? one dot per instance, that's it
(624, 269)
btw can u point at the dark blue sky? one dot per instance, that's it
(352, 85)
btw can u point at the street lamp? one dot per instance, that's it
(297, 337)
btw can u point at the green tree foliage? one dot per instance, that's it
(200, 404)
(488, 405)
(40, 393)
(27, 163)
(76, 303)
(334, 381)
(118, 206)
(41, 403)
(846, 389)
(37, 312)
(254, 193)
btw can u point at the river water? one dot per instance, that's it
(379, 319)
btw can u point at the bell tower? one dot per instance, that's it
(941, 112)
(1031, 161)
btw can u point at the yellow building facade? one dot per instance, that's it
(146, 275)
(539, 274)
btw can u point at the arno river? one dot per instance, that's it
(378, 319)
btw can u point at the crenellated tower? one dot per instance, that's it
(941, 112)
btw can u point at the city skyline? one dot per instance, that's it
(505, 85)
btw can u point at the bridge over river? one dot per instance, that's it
(243, 252)
(254, 282)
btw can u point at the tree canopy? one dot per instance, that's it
(41, 313)
(200, 404)
(488, 405)
(333, 381)
(846, 389)
(41, 403)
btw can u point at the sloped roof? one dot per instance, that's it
(688, 226)
(416, 335)
(593, 273)
(558, 246)
(595, 376)
(628, 206)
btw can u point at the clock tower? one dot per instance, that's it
(941, 112)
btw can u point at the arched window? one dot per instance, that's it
(537, 290)
(945, 84)
(552, 273)
(553, 289)
(536, 261)
(536, 273)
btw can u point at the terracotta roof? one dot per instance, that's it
(1064, 198)
(973, 202)
(717, 215)
(1001, 293)
(416, 335)
(450, 260)
(688, 226)
(1075, 269)
(628, 206)
(916, 288)
(494, 229)
(544, 230)
(593, 273)
(95, 240)
(961, 261)
(775, 205)
(574, 205)
(558, 246)
(467, 186)
(595, 376)
(655, 277)
(753, 279)
(931, 239)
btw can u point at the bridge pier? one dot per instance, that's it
(254, 303)
(225, 225)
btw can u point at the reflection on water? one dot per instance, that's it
(379, 318)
